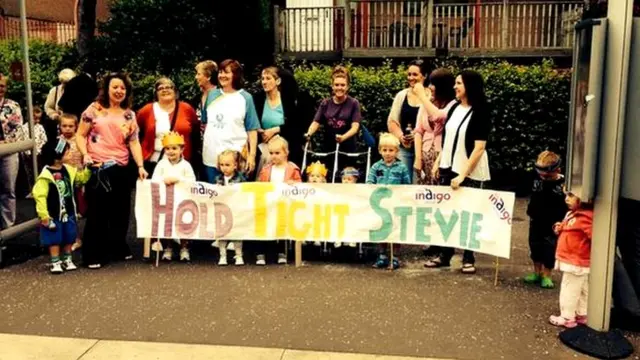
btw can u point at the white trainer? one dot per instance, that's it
(352, 244)
(56, 267)
(260, 260)
(168, 254)
(231, 246)
(337, 244)
(185, 255)
(69, 265)
(239, 260)
(282, 259)
(223, 261)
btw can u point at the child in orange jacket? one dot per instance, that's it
(573, 256)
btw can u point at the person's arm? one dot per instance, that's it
(83, 132)
(393, 121)
(317, 119)
(40, 192)
(136, 148)
(417, 140)
(50, 105)
(252, 125)
(355, 127)
(478, 128)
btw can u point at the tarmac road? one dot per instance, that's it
(327, 306)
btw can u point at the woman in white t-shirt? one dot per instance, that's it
(463, 160)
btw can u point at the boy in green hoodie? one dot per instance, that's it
(56, 207)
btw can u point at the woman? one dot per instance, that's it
(107, 133)
(404, 113)
(428, 135)
(230, 121)
(163, 115)
(463, 160)
(341, 116)
(206, 71)
(277, 110)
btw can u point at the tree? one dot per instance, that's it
(85, 14)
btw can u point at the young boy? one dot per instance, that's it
(55, 205)
(73, 157)
(546, 207)
(171, 169)
(388, 171)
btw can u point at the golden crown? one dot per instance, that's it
(172, 138)
(317, 168)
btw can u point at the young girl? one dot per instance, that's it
(280, 170)
(73, 157)
(317, 173)
(171, 169)
(573, 256)
(228, 164)
(56, 208)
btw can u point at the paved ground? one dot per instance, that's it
(338, 307)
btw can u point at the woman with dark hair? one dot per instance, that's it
(230, 120)
(404, 113)
(428, 136)
(463, 160)
(107, 134)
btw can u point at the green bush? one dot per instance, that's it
(530, 107)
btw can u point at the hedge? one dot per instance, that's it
(530, 104)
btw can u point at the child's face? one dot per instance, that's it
(278, 155)
(37, 115)
(227, 164)
(389, 153)
(173, 152)
(572, 201)
(67, 127)
(316, 178)
(349, 179)
(549, 175)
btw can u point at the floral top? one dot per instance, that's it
(11, 121)
(39, 135)
(110, 134)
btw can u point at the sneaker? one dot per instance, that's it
(185, 255)
(69, 265)
(352, 244)
(532, 278)
(239, 260)
(231, 246)
(337, 244)
(560, 321)
(222, 261)
(282, 259)
(581, 319)
(56, 267)
(215, 244)
(168, 254)
(260, 260)
(546, 283)
(381, 263)
(317, 243)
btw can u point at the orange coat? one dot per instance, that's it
(291, 173)
(574, 241)
(187, 125)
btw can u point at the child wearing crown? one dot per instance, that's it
(171, 169)
(316, 173)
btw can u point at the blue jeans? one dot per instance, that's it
(406, 156)
(210, 174)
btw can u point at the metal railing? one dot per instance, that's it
(423, 24)
(60, 33)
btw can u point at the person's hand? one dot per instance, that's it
(419, 89)
(435, 171)
(45, 222)
(556, 228)
(142, 173)
(268, 134)
(407, 141)
(87, 160)
(340, 138)
(250, 165)
(307, 137)
(455, 183)
(170, 180)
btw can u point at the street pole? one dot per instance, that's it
(27, 80)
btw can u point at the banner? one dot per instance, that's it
(474, 219)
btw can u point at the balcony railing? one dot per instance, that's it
(60, 33)
(397, 25)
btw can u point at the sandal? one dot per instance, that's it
(435, 263)
(560, 321)
(468, 269)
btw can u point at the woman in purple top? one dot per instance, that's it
(340, 115)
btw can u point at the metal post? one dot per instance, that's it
(27, 78)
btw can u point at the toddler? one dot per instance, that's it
(573, 257)
(546, 207)
(171, 169)
(56, 208)
(317, 173)
(279, 170)
(388, 171)
(228, 164)
(349, 175)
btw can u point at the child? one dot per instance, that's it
(280, 170)
(317, 173)
(349, 175)
(56, 207)
(171, 169)
(389, 171)
(228, 164)
(546, 207)
(573, 257)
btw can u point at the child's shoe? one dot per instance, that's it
(282, 259)
(76, 245)
(56, 267)
(581, 319)
(215, 244)
(168, 254)
(396, 263)
(532, 278)
(223, 261)
(352, 244)
(382, 262)
(337, 244)
(239, 260)
(260, 260)
(317, 243)
(560, 321)
(69, 265)
(546, 283)
(231, 246)
(185, 255)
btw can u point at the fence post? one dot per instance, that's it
(276, 29)
(429, 30)
(347, 24)
(505, 24)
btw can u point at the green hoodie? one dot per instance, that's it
(45, 182)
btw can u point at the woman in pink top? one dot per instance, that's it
(107, 133)
(428, 135)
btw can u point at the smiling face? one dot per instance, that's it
(117, 91)
(388, 153)
(227, 164)
(269, 82)
(173, 152)
(166, 92)
(414, 75)
(225, 78)
(461, 92)
(340, 87)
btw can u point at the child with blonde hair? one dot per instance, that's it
(316, 173)
(388, 171)
(228, 164)
(279, 170)
(546, 207)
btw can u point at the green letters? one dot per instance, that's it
(403, 212)
(446, 227)
(476, 227)
(387, 222)
(464, 228)
(421, 222)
